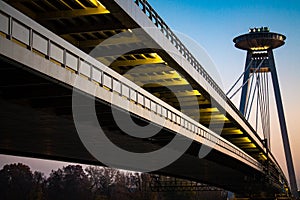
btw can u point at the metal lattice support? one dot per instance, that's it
(169, 184)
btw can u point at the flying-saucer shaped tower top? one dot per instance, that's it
(259, 39)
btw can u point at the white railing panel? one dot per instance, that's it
(40, 43)
(125, 91)
(71, 61)
(85, 69)
(4, 21)
(96, 75)
(107, 81)
(116, 86)
(20, 32)
(57, 53)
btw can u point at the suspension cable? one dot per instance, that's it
(251, 104)
(257, 103)
(251, 91)
(264, 106)
(268, 115)
(260, 99)
(268, 112)
(247, 68)
(260, 92)
(247, 79)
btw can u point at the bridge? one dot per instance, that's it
(108, 58)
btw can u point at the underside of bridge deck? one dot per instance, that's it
(36, 121)
(91, 24)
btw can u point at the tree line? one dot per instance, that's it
(18, 182)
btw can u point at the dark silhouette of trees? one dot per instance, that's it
(107, 183)
(17, 182)
(101, 180)
(54, 187)
(38, 186)
(68, 183)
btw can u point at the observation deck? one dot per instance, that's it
(259, 39)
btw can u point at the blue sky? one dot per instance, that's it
(213, 24)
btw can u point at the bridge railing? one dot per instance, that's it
(279, 174)
(27, 33)
(171, 36)
(159, 22)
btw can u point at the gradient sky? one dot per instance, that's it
(213, 24)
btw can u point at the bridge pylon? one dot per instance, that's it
(259, 44)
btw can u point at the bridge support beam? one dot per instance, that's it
(283, 127)
(270, 64)
(259, 43)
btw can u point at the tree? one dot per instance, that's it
(107, 183)
(101, 180)
(38, 186)
(119, 189)
(16, 182)
(68, 183)
(54, 188)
